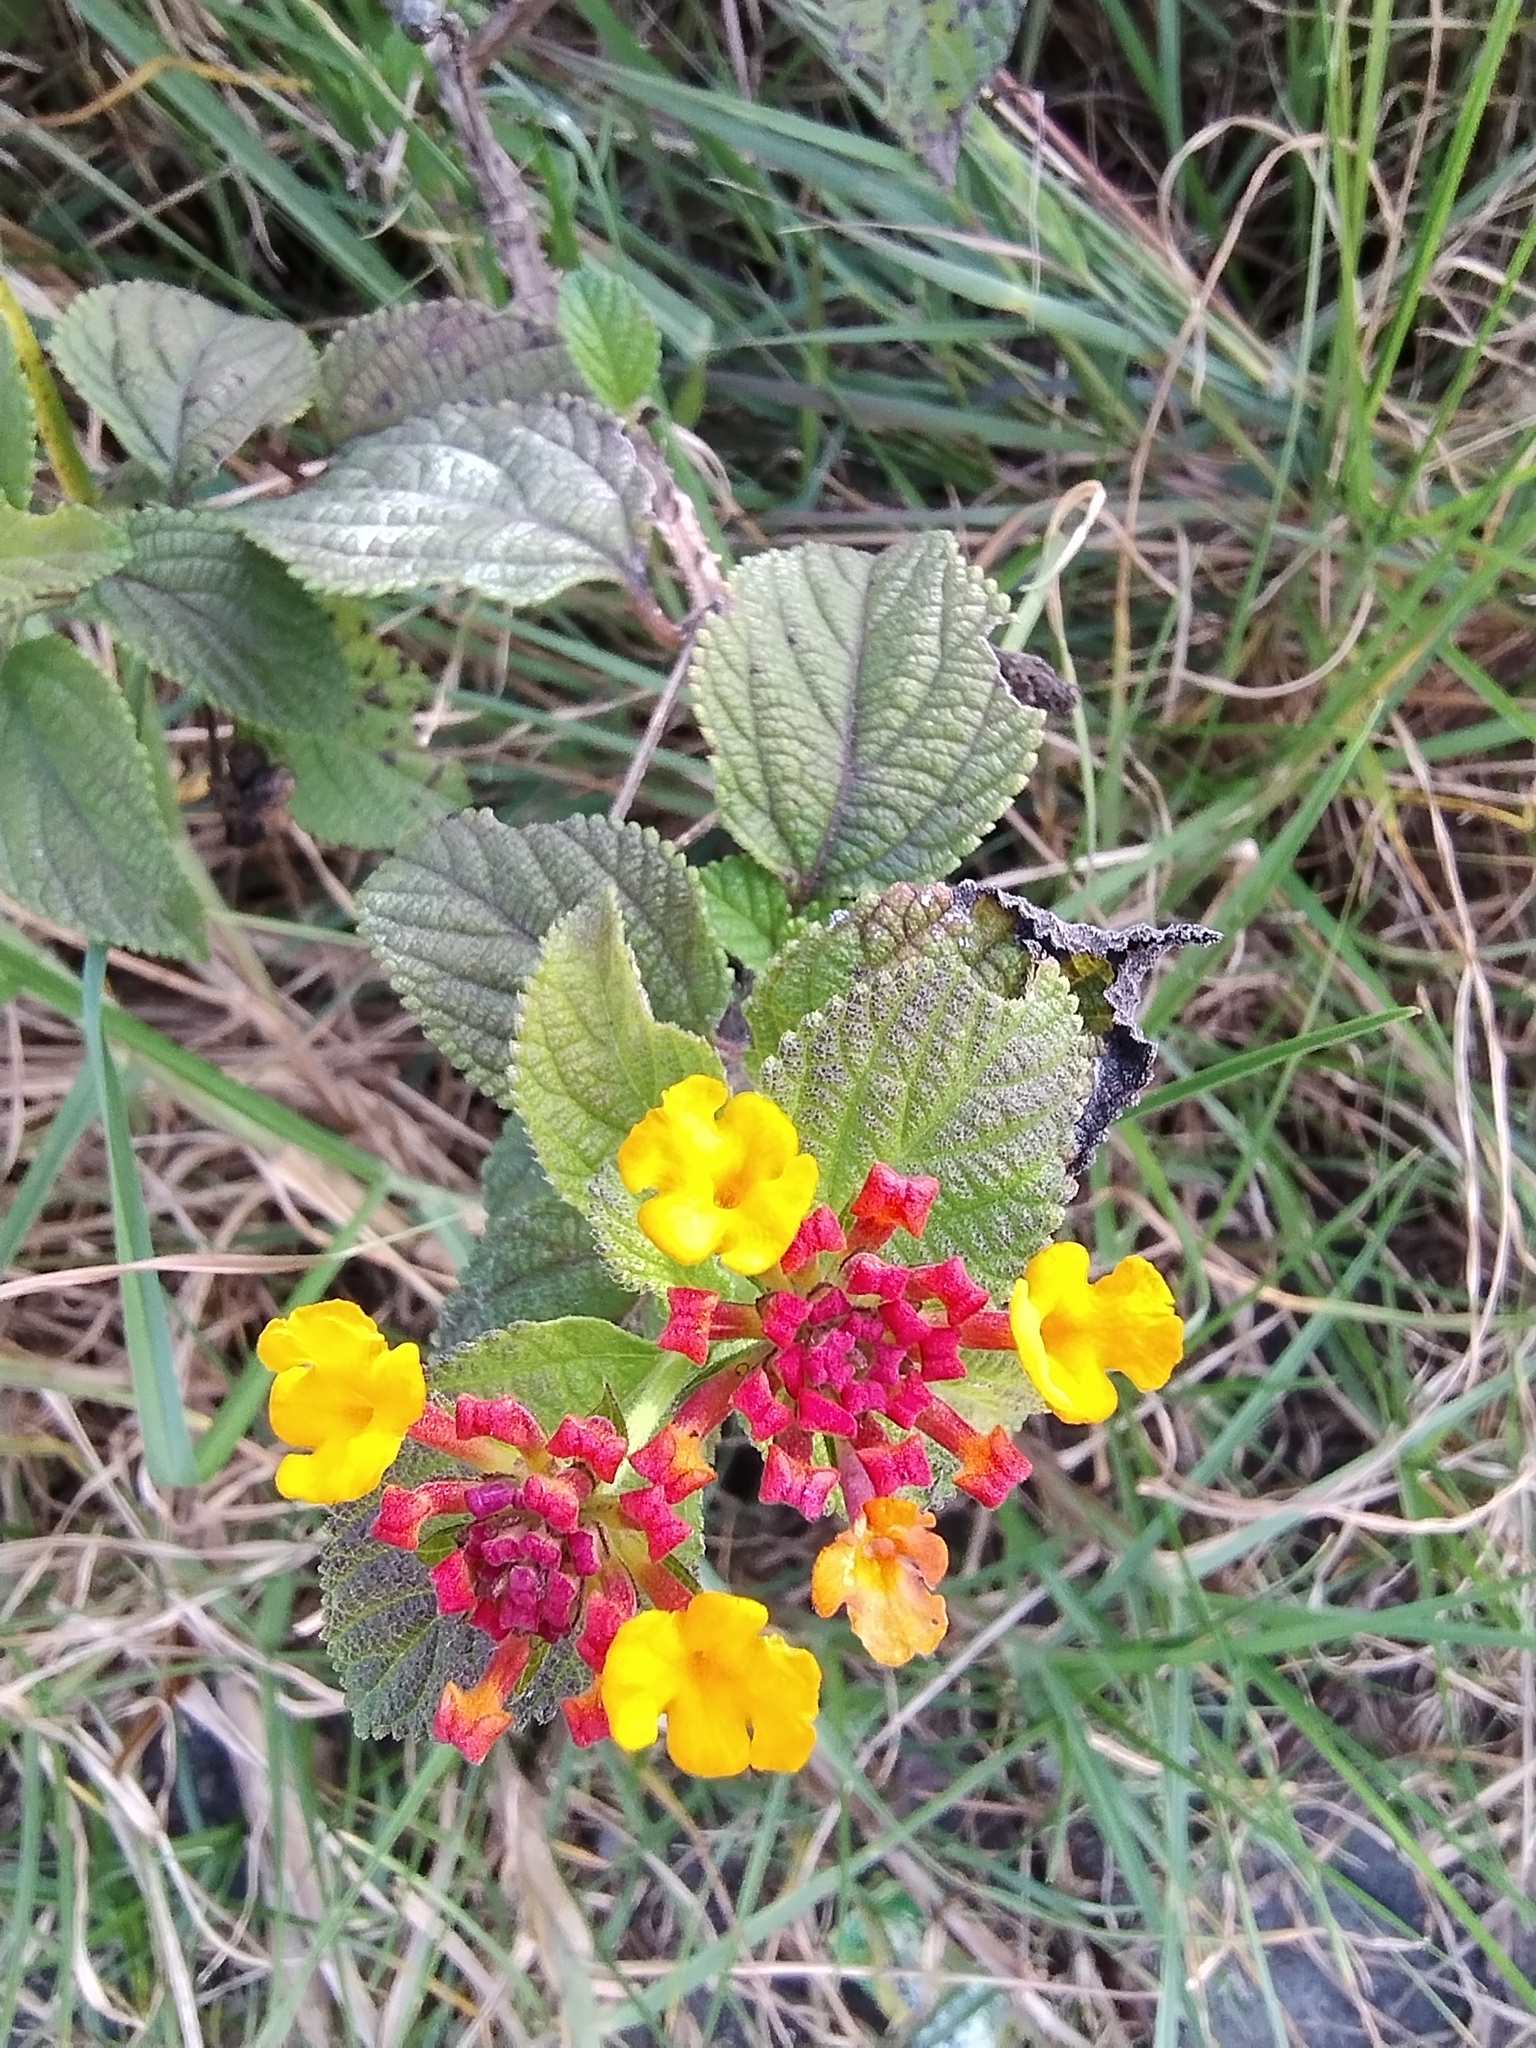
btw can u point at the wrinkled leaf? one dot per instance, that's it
(860, 727)
(520, 500)
(222, 618)
(81, 835)
(392, 1650)
(748, 910)
(612, 338)
(826, 959)
(52, 554)
(931, 59)
(536, 1260)
(458, 916)
(1105, 970)
(18, 429)
(370, 783)
(180, 381)
(996, 1389)
(589, 1058)
(569, 1367)
(921, 1067)
(411, 359)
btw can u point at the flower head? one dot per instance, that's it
(732, 1696)
(1072, 1333)
(884, 1570)
(343, 1395)
(730, 1179)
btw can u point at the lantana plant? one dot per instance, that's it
(789, 1145)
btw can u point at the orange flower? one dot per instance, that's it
(729, 1176)
(732, 1696)
(1071, 1334)
(883, 1570)
(343, 1395)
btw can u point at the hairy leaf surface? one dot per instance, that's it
(922, 1068)
(536, 1260)
(568, 1367)
(52, 554)
(861, 730)
(748, 911)
(520, 500)
(81, 835)
(612, 338)
(589, 1058)
(410, 359)
(931, 59)
(221, 617)
(180, 381)
(458, 916)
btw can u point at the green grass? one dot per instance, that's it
(1302, 1585)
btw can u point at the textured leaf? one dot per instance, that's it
(18, 431)
(639, 1265)
(181, 382)
(411, 359)
(996, 1389)
(458, 916)
(226, 621)
(612, 338)
(861, 730)
(931, 59)
(1105, 969)
(81, 835)
(393, 1651)
(923, 1068)
(536, 1260)
(569, 1367)
(519, 500)
(51, 554)
(371, 783)
(589, 1058)
(825, 960)
(748, 911)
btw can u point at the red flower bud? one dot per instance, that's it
(889, 1201)
(594, 1440)
(820, 1232)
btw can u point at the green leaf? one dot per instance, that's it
(81, 836)
(589, 1058)
(372, 783)
(996, 1389)
(181, 382)
(520, 500)
(576, 1366)
(536, 1260)
(222, 618)
(931, 59)
(748, 911)
(458, 916)
(861, 729)
(18, 429)
(825, 960)
(51, 554)
(612, 338)
(921, 1067)
(392, 1649)
(410, 359)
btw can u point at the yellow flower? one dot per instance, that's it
(714, 1676)
(342, 1395)
(1072, 1334)
(884, 1570)
(729, 1176)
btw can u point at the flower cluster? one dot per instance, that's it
(836, 1368)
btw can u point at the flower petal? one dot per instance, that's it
(1076, 1388)
(1140, 1330)
(765, 1133)
(707, 1733)
(686, 1225)
(646, 1665)
(343, 1468)
(762, 1226)
(785, 1696)
(310, 1403)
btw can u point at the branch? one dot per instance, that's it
(509, 214)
